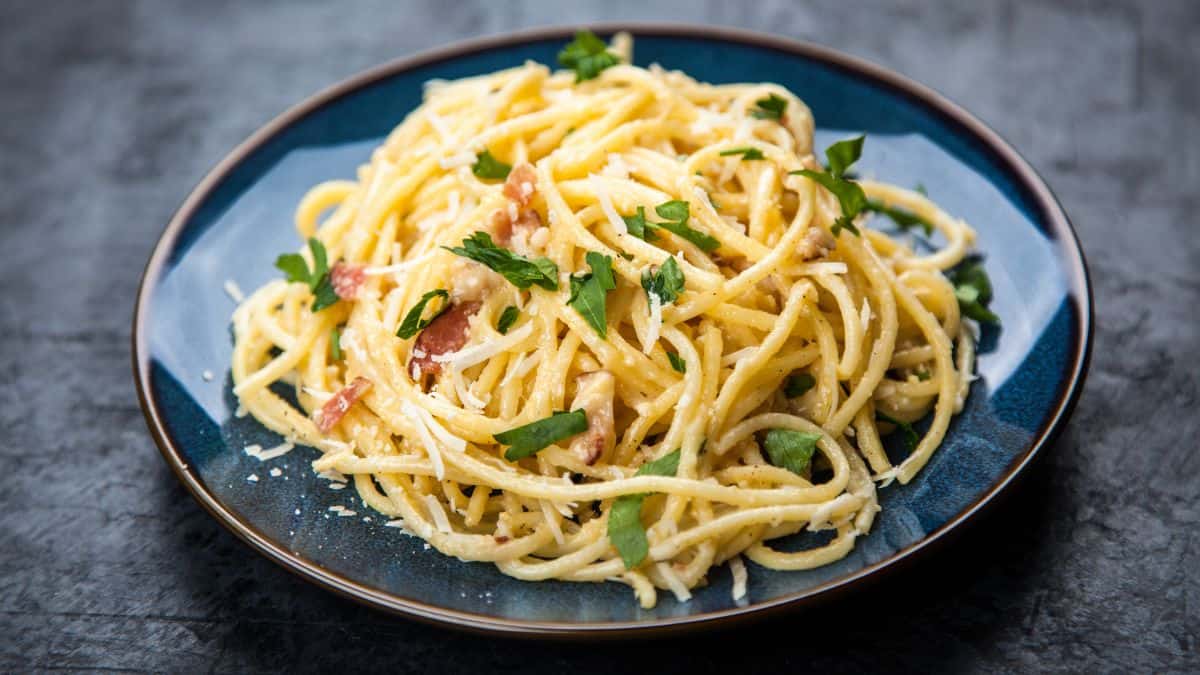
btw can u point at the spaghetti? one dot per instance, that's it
(596, 326)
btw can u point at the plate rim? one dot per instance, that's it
(1078, 281)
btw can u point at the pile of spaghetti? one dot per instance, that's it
(611, 323)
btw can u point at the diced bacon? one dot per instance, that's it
(347, 279)
(816, 243)
(336, 407)
(444, 335)
(520, 186)
(595, 396)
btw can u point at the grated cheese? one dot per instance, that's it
(465, 358)
(674, 583)
(738, 569)
(606, 205)
(435, 454)
(207, 375)
(437, 513)
(465, 158)
(655, 326)
(253, 478)
(234, 291)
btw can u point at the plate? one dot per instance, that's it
(236, 221)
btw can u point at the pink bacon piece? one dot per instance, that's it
(347, 279)
(444, 335)
(336, 408)
(521, 185)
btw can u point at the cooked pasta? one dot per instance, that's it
(591, 325)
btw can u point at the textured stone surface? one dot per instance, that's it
(112, 111)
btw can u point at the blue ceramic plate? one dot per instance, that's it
(239, 218)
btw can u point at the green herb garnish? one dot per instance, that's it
(528, 439)
(487, 166)
(911, 438)
(973, 290)
(295, 269)
(904, 218)
(520, 271)
(413, 323)
(666, 284)
(676, 214)
(507, 318)
(637, 225)
(335, 344)
(769, 108)
(677, 362)
(791, 450)
(625, 529)
(587, 55)
(746, 153)
(796, 385)
(589, 292)
(850, 195)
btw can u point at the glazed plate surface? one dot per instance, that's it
(236, 222)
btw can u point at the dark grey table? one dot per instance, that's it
(111, 111)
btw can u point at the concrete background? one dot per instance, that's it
(110, 112)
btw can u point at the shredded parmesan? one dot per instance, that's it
(674, 583)
(606, 204)
(738, 569)
(465, 358)
(234, 291)
(655, 325)
(465, 158)
(261, 455)
(438, 514)
(207, 375)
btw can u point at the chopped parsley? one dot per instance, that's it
(666, 283)
(335, 344)
(676, 214)
(677, 362)
(587, 55)
(526, 440)
(769, 108)
(413, 323)
(637, 225)
(911, 438)
(590, 291)
(850, 195)
(507, 318)
(520, 271)
(973, 290)
(746, 153)
(625, 529)
(923, 375)
(796, 385)
(487, 166)
(904, 218)
(791, 450)
(295, 269)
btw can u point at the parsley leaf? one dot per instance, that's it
(487, 166)
(507, 318)
(904, 218)
(587, 55)
(923, 375)
(637, 225)
(589, 292)
(296, 269)
(335, 344)
(973, 290)
(746, 153)
(769, 108)
(324, 295)
(413, 323)
(676, 212)
(667, 283)
(791, 450)
(850, 195)
(677, 362)
(911, 438)
(625, 529)
(920, 188)
(521, 271)
(528, 439)
(796, 385)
